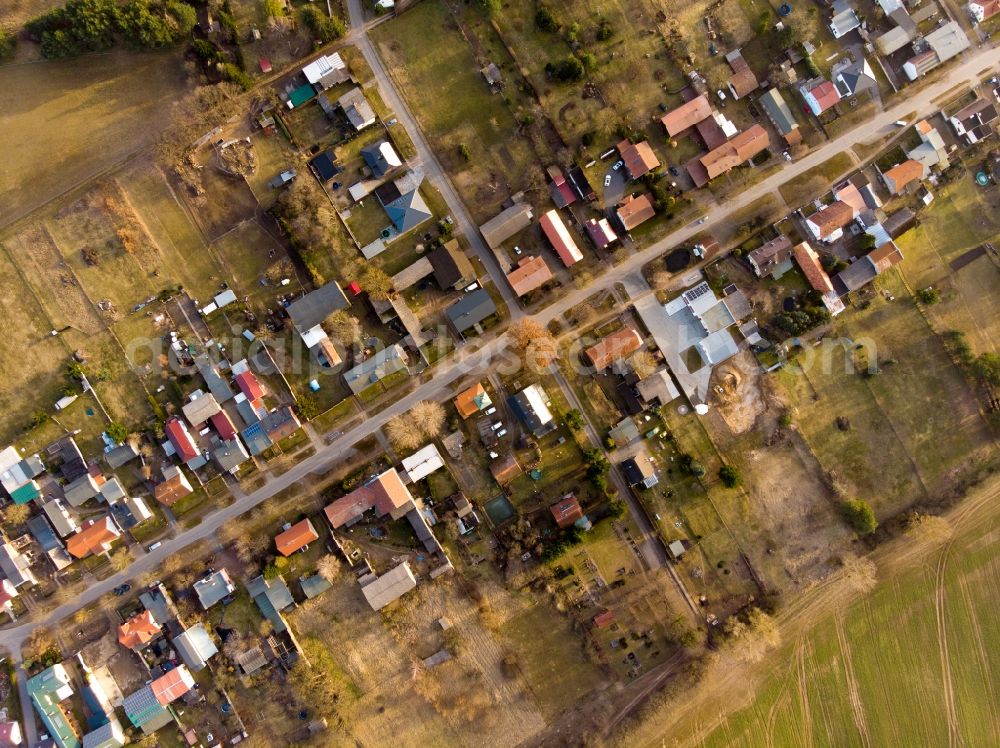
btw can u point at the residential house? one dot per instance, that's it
(743, 81)
(213, 588)
(817, 277)
(403, 203)
(561, 190)
(600, 232)
(422, 463)
(849, 194)
(491, 74)
(686, 116)
(972, 123)
(306, 312)
(386, 589)
(49, 542)
(566, 512)
(385, 493)
(506, 224)
(296, 538)
(452, 268)
(112, 491)
(17, 475)
(327, 71)
(579, 181)
(179, 439)
(173, 487)
(729, 155)
(323, 165)
(827, 224)
(932, 152)
(377, 367)
(820, 95)
(559, 237)
(471, 401)
(530, 274)
(71, 462)
(195, 646)
(15, 566)
(357, 109)
(172, 685)
(778, 111)
(944, 42)
(640, 470)
(199, 408)
(470, 311)
(634, 210)
(902, 33)
(844, 19)
(603, 619)
(773, 258)
(108, 735)
(47, 691)
(145, 711)
(531, 406)
(901, 176)
(314, 586)
(229, 455)
(82, 490)
(157, 601)
(223, 425)
(138, 631)
(866, 269)
(638, 157)
(614, 347)
(61, 518)
(94, 536)
(658, 388)
(381, 158)
(982, 10)
(121, 455)
(271, 596)
(853, 77)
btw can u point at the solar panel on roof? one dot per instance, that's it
(697, 291)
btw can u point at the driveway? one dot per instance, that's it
(615, 189)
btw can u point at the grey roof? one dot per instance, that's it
(408, 211)
(471, 309)
(144, 710)
(658, 386)
(42, 531)
(213, 588)
(778, 111)
(380, 365)
(121, 455)
(640, 470)
(507, 223)
(381, 157)
(230, 455)
(81, 490)
(112, 490)
(315, 306)
(855, 275)
(359, 112)
(766, 258)
(252, 660)
(157, 601)
(853, 78)
(60, 517)
(737, 304)
(195, 647)
(108, 735)
(15, 566)
(314, 586)
(389, 587)
(947, 41)
(201, 408)
(215, 382)
(272, 596)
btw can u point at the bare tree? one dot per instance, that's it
(533, 343)
(642, 363)
(328, 567)
(404, 432)
(343, 327)
(749, 640)
(928, 527)
(377, 283)
(860, 573)
(16, 514)
(121, 559)
(429, 416)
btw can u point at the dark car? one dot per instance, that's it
(122, 589)
(674, 171)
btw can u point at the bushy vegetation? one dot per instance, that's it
(323, 28)
(545, 20)
(860, 516)
(801, 320)
(83, 26)
(729, 476)
(567, 70)
(8, 44)
(928, 296)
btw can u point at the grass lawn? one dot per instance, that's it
(818, 180)
(65, 121)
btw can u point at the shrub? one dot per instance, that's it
(545, 20)
(928, 296)
(323, 27)
(986, 368)
(729, 476)
(860, 516)
(463, 149)
(567, 70)
(574, 420)
(491, 6)
(233, 74)
(8, 44)
(604, 31)
(117, 431)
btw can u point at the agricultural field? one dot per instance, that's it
(921, 644)
(67, 121)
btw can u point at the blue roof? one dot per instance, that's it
(408, 211)
(256, 438)
(142, 706)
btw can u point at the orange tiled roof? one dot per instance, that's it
(467, 401)
(812, 269)
(530, 273)
(638, 157)
(138, 630)
(904, 174)
(730, 154)
(93, 538)
(885, 257)
(635, 210)
(385, 494)
(609, 349)
(686, 115)
(295, 537)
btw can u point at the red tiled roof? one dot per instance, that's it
(638, 157)
(530, 273)
(686, 115)
(743, 147)
(885, 257)
(170, 490)
(223, 425)
(172, 685)
(635, 210)
(385, 494)
(901, 175)
(812, 269)
(566, 512)
(560, 239)
(825, 94)
(138, 630)
(92, 538)
(604, 618)
(505, 469)
(600, 232)
(295, 537)
(249, 385)
(609, 349)
(834, 216)
(179, 436)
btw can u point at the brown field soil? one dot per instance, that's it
(65, 122)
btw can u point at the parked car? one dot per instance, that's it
(490, 411)
(121, 589)
(501, 433)
(154, 546)
(607, 181)
(472, 286)
(721, 94)
(674, 171)
(619, 165)
(498, 425)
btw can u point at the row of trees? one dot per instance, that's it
(83, 26)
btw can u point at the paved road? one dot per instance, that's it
(432, 169)
(474, 358)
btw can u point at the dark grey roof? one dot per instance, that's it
(120, 455)
(73, 464)
(451, 266)
(471, 309)
(778, 111)
(323, 166)
(229, 455)
(408, 211)
(42, 531)
(315, 306)
(216, 383)
(855, 275)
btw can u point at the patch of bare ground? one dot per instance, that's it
(737, 392)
